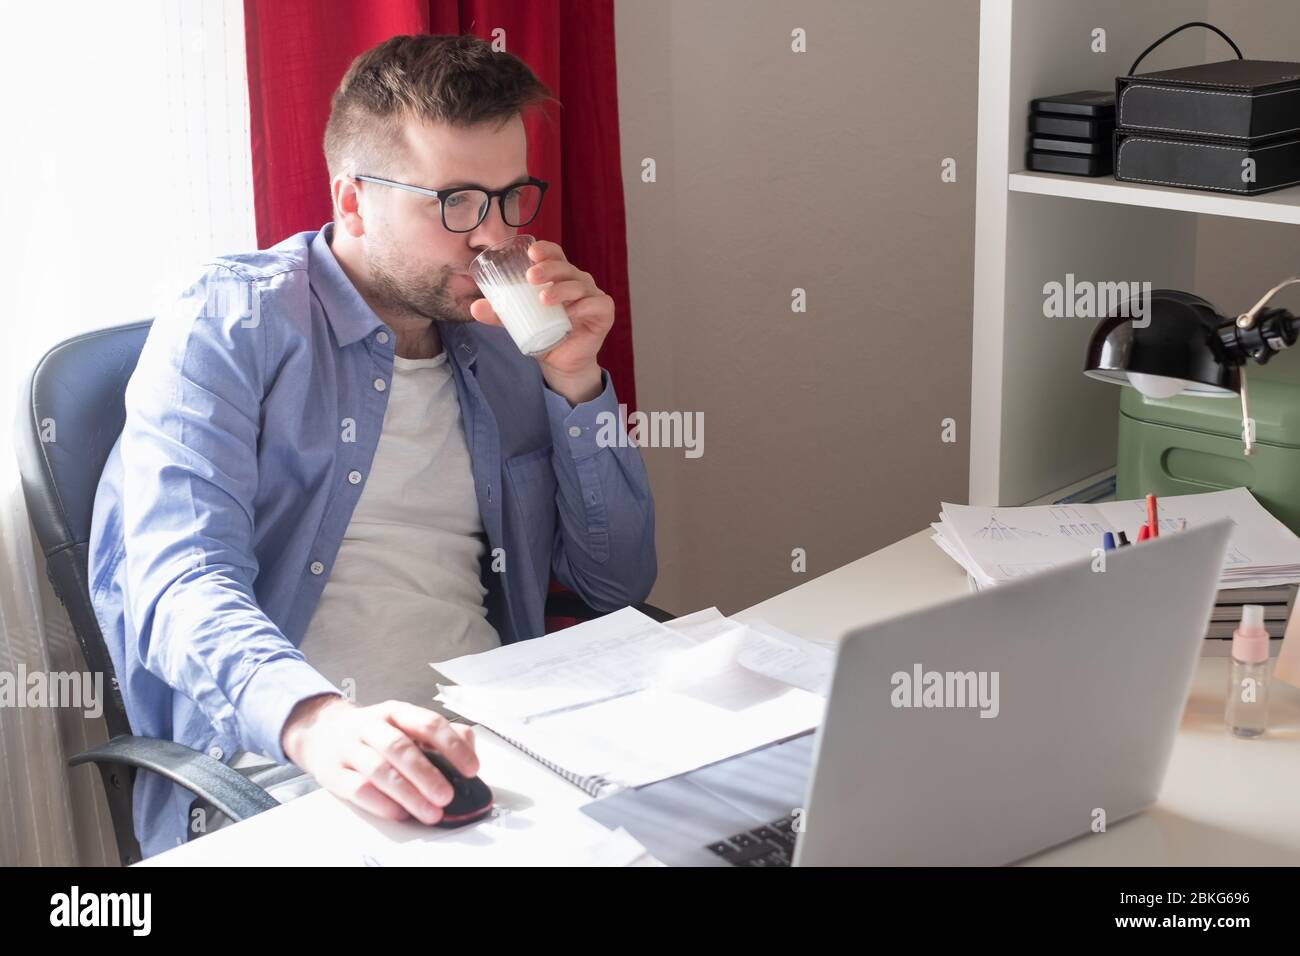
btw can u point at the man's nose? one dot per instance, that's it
(491, 230)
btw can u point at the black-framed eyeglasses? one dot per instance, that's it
(464, 207)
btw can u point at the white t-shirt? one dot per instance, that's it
(405, 590)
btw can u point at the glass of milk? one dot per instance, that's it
(499, 272)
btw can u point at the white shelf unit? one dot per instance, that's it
(1037, 423)
(1281, 206)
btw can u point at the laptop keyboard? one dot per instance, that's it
(769, 845)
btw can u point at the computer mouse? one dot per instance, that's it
(471, 799)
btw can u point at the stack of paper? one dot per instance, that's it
(998, 544)
(624, 700)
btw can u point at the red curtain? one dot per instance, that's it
(298, 51)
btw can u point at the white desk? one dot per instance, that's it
(1225, 801)
(319, 829)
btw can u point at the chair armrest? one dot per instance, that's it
(224, 787)
(568, 604)
(659, 614)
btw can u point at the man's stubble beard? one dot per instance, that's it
(414, 297)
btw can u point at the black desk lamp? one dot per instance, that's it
(1182, 345)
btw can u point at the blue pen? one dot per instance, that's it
(1108, 541)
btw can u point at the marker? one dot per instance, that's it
(1144, 532)
(1123, 540)
(1108, 541)
(1153, 518)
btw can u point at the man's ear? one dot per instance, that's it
(347, 205)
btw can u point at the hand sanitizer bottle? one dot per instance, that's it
(1247, 712)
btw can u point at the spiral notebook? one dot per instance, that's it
(623, 701)
(595, 786)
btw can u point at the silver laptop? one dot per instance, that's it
(974, 732)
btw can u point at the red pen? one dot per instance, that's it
(1153, 519)
(1144, 532)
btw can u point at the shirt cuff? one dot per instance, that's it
(270, 695)
(578, 427)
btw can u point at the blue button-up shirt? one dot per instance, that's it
(225, 500)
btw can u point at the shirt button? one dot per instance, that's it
(354, 477)
(575, 431)
(317, 567)
(379, 385)
(382, 338)
(216, 753)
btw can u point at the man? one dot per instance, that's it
(337, 467)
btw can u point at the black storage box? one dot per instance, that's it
(1204, 164)
(1072, 133)
(1194, 127)
(1234, 99)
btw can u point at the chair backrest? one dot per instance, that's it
(72, 411)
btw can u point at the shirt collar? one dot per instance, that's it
(351, 317)
(348, 314)
(458, 339)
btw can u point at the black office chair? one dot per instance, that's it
(73, 411)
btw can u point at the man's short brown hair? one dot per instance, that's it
(457, 80)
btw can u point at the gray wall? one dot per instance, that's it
(818, 170)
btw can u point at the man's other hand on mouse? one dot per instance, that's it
(370, 756)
